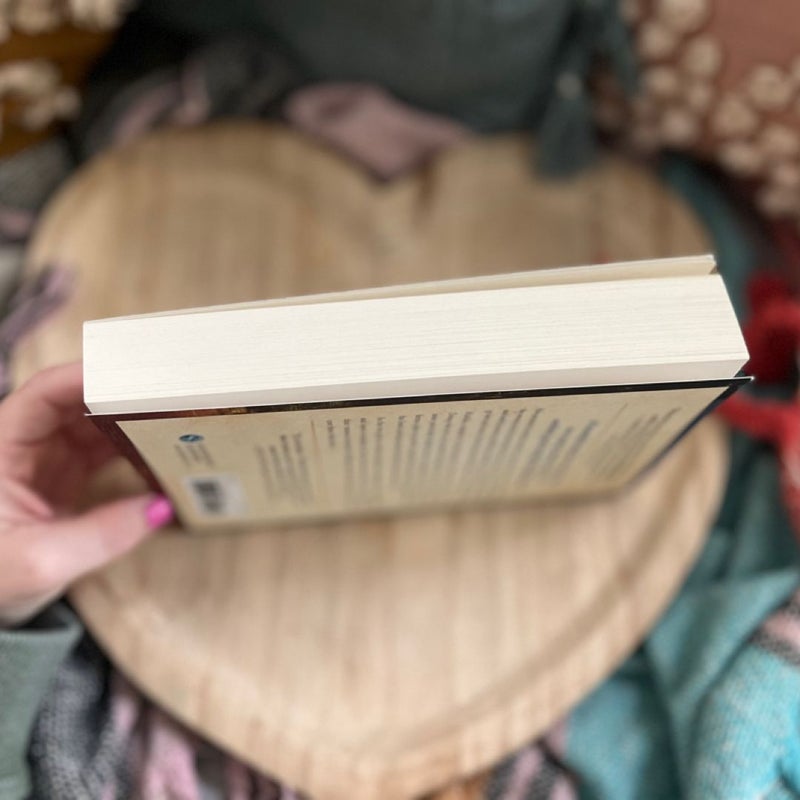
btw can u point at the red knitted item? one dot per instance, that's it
(773, 340)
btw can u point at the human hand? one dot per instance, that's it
(48, 452)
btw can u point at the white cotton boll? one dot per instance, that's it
(679, 127)
(66, 103)
(699, 96)
(741, 158)
(100, 14)
(655, 41)
(785, 173)
(37, 114)
(36, 16)
(28, 78)
(778, 200)
(769, 88)
(779, 141)
(661, 82)
(733, 117)
(702, 57)
(683, 16)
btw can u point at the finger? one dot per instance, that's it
(86, 438)
(69, 548)
(42, 406)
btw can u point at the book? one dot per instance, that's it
(506, 388)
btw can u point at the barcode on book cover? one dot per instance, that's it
(216, 495)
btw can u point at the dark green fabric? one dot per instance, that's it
(495, 66)
(29, 658)
(487, 64)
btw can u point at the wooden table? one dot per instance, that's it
(373, 659)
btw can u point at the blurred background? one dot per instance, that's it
(388, 84)
(634, 128)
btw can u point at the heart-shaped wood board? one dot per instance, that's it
(377, 659)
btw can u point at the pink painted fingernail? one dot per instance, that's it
(158, 512)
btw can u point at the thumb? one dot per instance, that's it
(83, 543)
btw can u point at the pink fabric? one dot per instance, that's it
(142, 115)
(526, 766)
(33, 302)
(163, 755)
(540, 760)
(195, 105)
(556, 738)
(556, 742)
(785, 627)
(563, 789)
(169, 767)
(126, 707)
(368, 125)
(237, 780)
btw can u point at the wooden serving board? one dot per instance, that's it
(373, 659)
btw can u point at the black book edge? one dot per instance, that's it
(107, 423)
(732, 387)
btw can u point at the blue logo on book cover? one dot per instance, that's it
(191, 437)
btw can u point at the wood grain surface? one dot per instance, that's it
(382, 659)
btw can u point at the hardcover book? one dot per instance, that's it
(506, 388)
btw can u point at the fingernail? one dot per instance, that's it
(158, 512)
